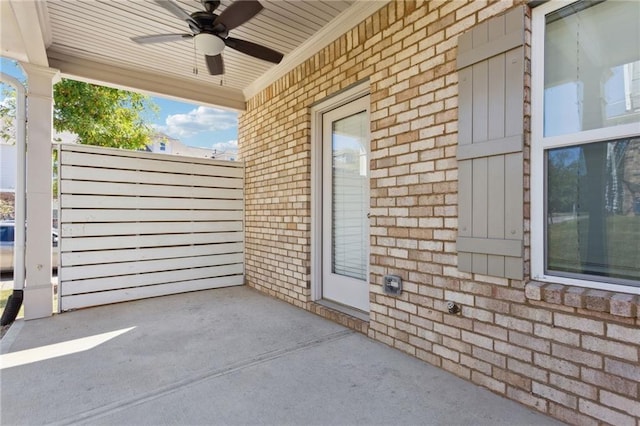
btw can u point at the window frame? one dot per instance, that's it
(540, 144)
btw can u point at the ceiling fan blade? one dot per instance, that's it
(253, 49)
(215, 64)
(161, 38)
(238, 13)
(176, 10)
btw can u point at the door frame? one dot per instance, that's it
(341, 98)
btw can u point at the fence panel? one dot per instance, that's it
(136, 225)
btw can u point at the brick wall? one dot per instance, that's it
(570, 353)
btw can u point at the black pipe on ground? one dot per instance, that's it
(14, 302)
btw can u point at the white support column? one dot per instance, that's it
(38, 292)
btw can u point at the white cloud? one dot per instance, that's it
(200, 120)
(226, 147)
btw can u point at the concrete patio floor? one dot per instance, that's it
(227, 356)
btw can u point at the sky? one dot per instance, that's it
(191, 124)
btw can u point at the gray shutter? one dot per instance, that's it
(491, 134)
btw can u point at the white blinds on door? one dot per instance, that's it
(350, 202)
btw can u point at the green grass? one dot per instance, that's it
(567, 240)
(4, 296)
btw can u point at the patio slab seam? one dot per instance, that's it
(117, 406)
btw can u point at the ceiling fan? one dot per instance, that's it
(210, 31)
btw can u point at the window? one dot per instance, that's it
(585, 165)
(7, 234)
(163, 146)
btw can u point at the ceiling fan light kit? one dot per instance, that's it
(208, 44)
(210, 32)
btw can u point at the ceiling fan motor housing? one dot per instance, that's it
(206, 24)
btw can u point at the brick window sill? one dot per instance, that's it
(618, 304)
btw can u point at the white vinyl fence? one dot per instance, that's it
(136, 225)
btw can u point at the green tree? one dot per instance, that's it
(7, 113)
(98, 115)
(102, 115)
(562, 171)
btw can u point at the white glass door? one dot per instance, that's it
(345, 201)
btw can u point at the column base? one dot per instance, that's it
(38, 302)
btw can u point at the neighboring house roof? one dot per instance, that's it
(165, 144)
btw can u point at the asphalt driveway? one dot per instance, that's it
(227, 356)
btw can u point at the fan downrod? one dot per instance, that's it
(210, 5)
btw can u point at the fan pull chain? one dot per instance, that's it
(195, 60)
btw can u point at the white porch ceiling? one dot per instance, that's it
(90, 40)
